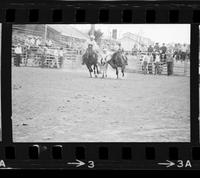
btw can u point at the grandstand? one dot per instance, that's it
(36, 37)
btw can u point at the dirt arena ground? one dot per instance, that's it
(53, 105)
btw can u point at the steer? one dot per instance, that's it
(103, 65)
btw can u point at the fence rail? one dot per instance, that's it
(179, 68)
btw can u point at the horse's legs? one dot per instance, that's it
(95, 68)
(122, 71)
(90, 70)
(117, 72)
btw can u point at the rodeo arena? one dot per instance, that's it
(70, 85)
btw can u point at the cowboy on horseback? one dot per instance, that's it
(120, 51)
(93, 48)
(91, 57)
(90, 51)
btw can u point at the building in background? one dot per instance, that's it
(130, 40)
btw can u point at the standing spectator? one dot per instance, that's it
(18, 52)
(163, 50)
(149, 63)
(188, 53)
(61, 57)
(175, 52)
(145, 63)
(38, 41)
(169, 64)
(183, 52)
(55, 63)
(27, 42)
(179, 51)
(134, 50)
(156, 49)
(150, 49)
(32, 41)
(157, 63)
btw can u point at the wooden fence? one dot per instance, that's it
(179, 68)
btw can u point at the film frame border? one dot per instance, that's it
(105, 155)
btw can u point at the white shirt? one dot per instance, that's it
(157, 58)
(60, 53)
(145, 58)
(18, 50)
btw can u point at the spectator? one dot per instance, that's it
(183, 52)
(169, 64)
(38, 42)
(18, 52)
(175, 52)
(179, 51)
(150, 49)
(27, 42)
(32, 41)
(163, 50)
(61, 57)
(157, 63)
(56, 58)
(134, 50)
(145, 63)
(156, 47)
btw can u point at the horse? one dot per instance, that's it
(90, 58)
(118, 60)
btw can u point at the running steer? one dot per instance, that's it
(103, 65)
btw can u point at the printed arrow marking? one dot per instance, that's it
(78, 163)
(168, 164)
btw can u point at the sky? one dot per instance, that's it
(162, 33)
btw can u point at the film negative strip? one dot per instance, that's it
(100, 85)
